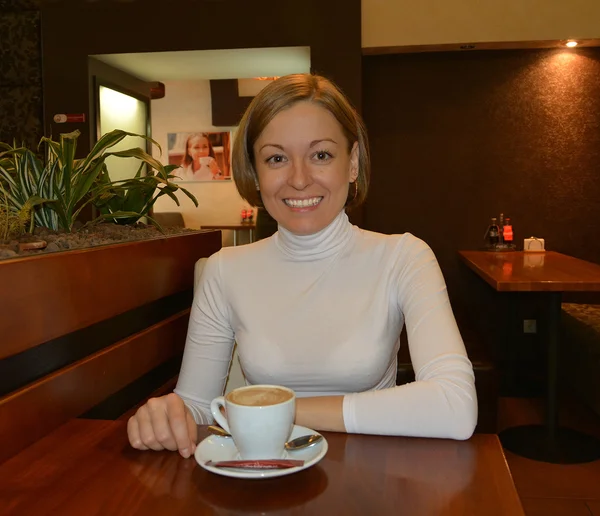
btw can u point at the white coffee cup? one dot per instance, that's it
(260, 419)
(205, 161)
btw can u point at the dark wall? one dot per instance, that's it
(331, 29)
(460, 137)
(20, 72)
(226, 104)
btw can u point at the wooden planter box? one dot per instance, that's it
(76, 327)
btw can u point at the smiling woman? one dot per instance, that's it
(318, 115)
(303, 181)
(319, 306)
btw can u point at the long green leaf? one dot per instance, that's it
(141, 155)
(85, 182)
(68, 145)
(110, 140)
(189, 195)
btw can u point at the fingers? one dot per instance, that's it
(133, 432)
(152, 433)
(178, 414)
(192, 428)
(163, 423)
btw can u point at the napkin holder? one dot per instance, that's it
(534, 245)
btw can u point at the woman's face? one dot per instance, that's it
(198, 147)
(304, 168)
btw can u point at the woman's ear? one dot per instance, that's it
(354, 160)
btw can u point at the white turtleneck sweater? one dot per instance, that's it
(322, 314)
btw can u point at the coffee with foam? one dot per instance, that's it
(259, 396)
(260, 418)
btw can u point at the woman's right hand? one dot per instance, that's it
(163, 423)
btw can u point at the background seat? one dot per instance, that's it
(486, 382)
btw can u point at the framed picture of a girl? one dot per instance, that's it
(202, 156)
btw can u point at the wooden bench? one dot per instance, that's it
(92, 332)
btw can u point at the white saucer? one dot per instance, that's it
(219, 448)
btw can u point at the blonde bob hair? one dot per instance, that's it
(282, 94)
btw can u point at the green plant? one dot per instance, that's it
(126, 201)
(11, 223)
(57, 189)
(20, 185)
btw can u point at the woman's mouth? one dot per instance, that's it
(303, 203)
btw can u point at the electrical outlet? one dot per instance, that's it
(529, 326)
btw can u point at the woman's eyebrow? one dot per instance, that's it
(316, 142)
(276, 145)
(312, 144)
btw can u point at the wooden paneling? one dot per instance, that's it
(23, 368)
(29, 413)
(555, 507)
(48, 296)
(163, 390)
(594, 508)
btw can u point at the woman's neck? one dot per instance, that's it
(322, 244)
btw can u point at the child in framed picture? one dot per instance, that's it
(199, 162)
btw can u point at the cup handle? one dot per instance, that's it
(215, 408)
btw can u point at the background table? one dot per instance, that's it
(552, 274)
(87, 467)
(241, 226)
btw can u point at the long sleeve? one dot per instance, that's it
(442, 401)
(321, 314)
(209, 345)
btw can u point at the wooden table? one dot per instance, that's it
(235, 227)
(86, 467)
(552, 274)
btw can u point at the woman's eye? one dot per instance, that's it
(322, 156)
(275, 159)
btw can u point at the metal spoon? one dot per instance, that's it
(217, 430)
(303, 441)
(298, 443)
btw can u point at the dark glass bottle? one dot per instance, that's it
(501, 229)
(493, 233)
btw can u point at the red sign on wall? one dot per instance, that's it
(71, 118)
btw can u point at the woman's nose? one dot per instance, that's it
(300, 175)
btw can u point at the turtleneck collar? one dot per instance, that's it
(323, 244)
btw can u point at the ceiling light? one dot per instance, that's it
(571, 43)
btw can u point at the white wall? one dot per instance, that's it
(432, 22)
(120, 111)
(186, 107)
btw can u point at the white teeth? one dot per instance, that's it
(303, 203)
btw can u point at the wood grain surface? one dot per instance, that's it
(520, 271)
(45, 297)
(35, 410)
(87, 467)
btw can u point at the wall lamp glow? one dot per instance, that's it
(571, 43)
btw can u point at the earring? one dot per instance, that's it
(256, 184)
